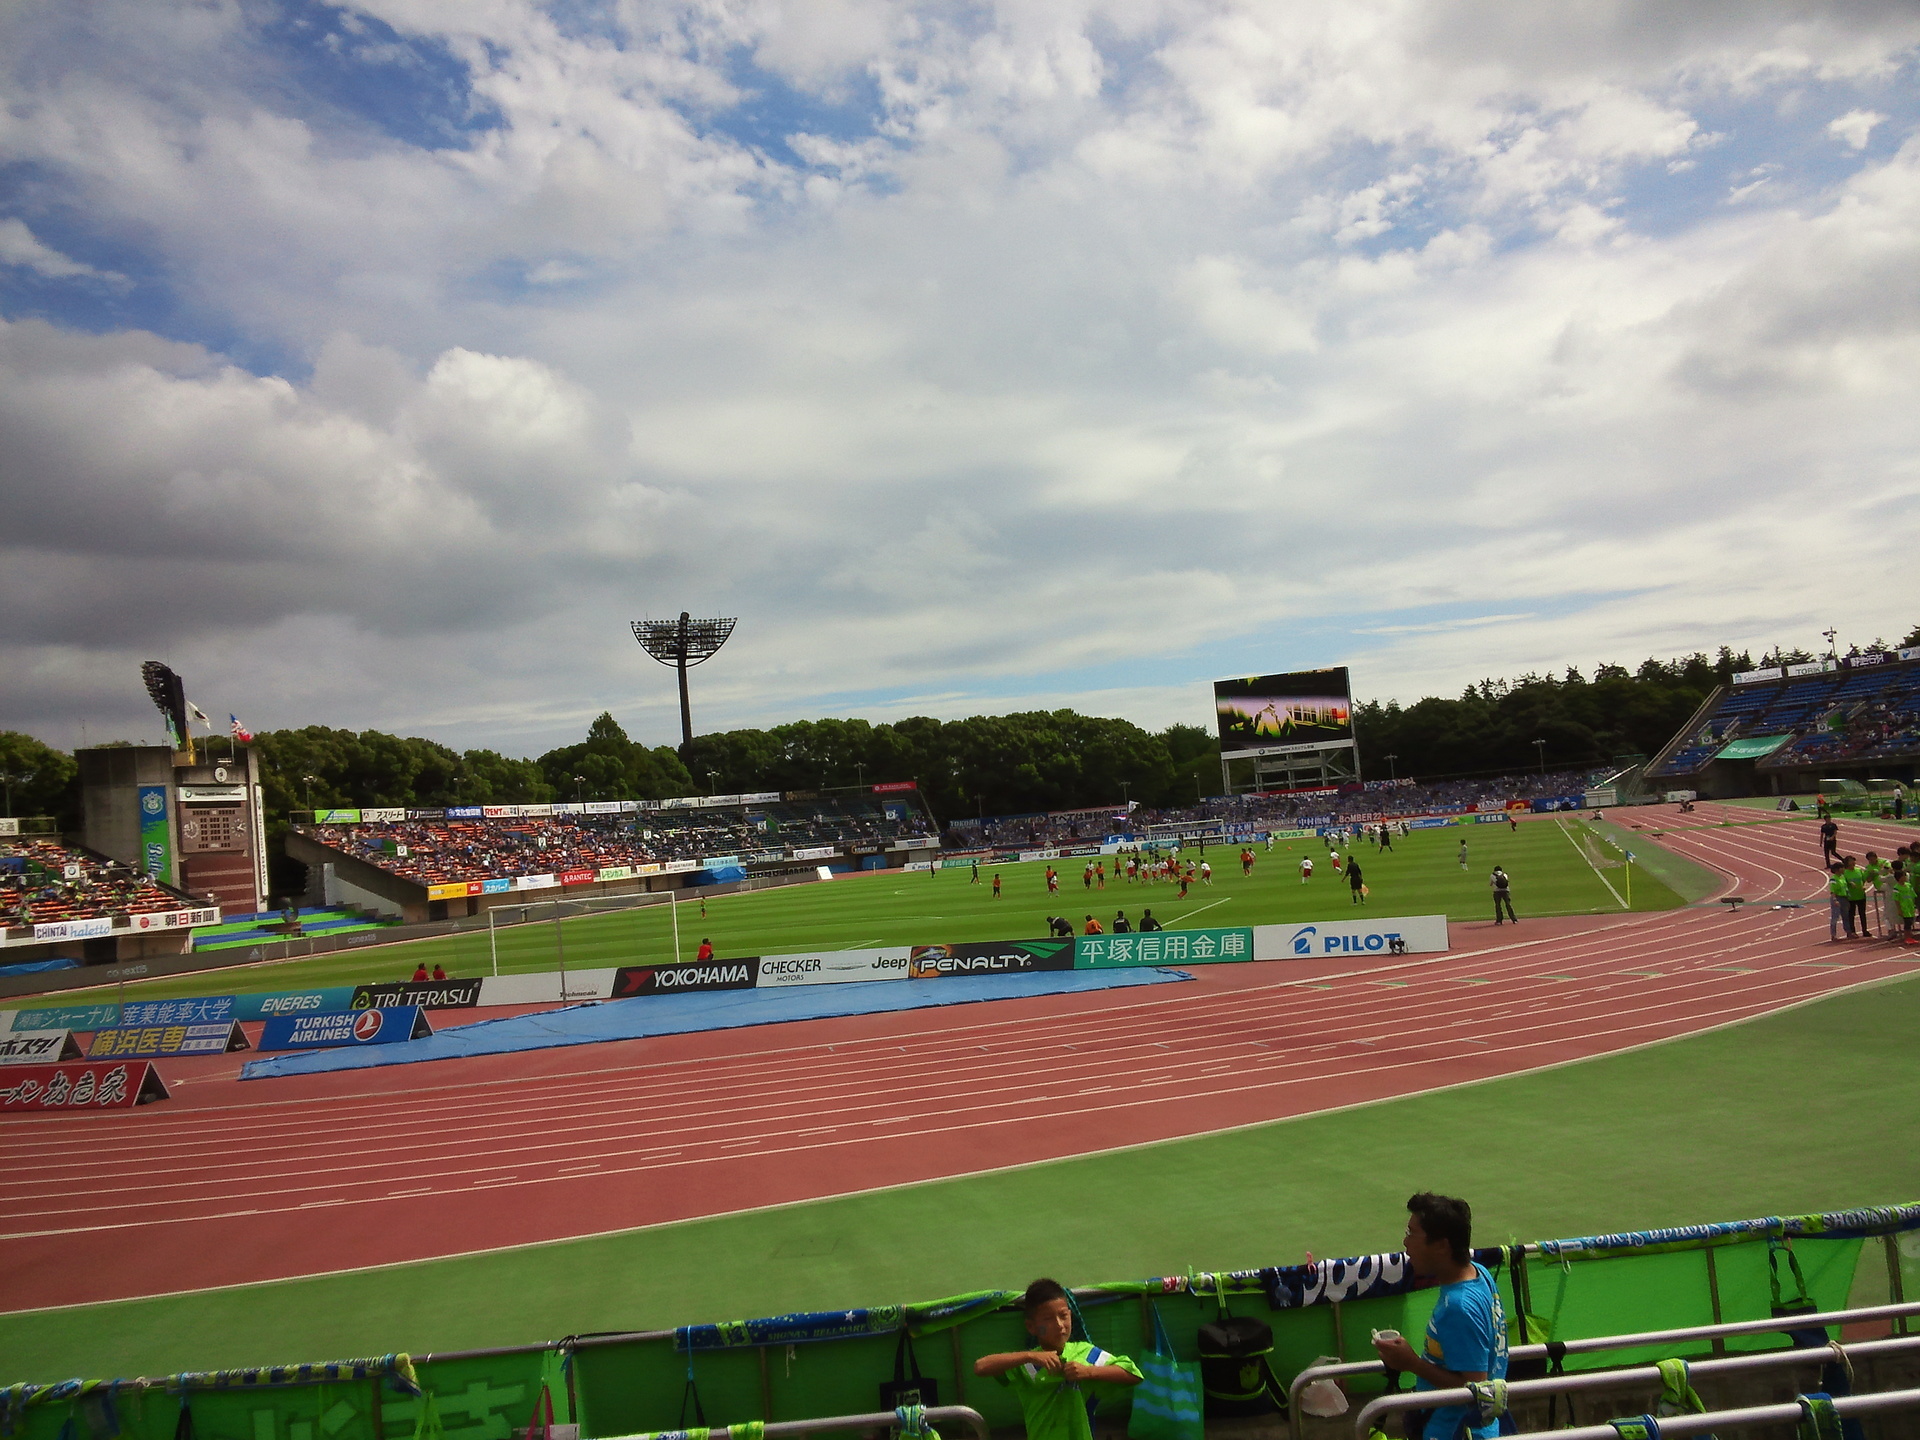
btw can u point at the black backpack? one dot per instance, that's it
(1233, 1363)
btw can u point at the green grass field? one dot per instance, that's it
(1795, 1112)
(1559, 867)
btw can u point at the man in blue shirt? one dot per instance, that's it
(1466, 1339)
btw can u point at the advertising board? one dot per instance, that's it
(327, 999)
(89, 929)
(1163, 947)
(358, 1027)
(80, 1086)
(199, 1010)
(1284, 714)
(993, 957)
(1418, 935)
(38, 1047)
(418, 994)
(156, 834)
(145, 1042)
(547, 987)
(832, 967)
(739, 973)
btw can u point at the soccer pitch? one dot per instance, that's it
(1557, 867)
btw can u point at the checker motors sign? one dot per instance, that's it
(832, 967)
(1417, 934)
(423, 994)
(80, 1086)
(358, 1027)
(736, 974)
(996, 957)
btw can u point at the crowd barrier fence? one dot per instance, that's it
(1637, 1377)
(1647, 1341)
(1679, 1427)
(1654, 1288)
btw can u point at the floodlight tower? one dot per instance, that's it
(681, 643)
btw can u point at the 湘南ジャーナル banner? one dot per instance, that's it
(1163, 947)
(993, 957)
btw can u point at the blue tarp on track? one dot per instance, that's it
(636, 1019)
(31, 967)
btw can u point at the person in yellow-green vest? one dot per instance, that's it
(1838, 913)
(1855, 875)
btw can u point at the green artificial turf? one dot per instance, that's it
(1809, 1109)
(1550, 860)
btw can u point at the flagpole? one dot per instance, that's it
(673, 904)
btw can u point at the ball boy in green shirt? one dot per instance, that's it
(1050, 1379)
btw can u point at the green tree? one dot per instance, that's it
(38, 780)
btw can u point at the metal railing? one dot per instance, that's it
(1678, 1427)
(1631, 1377)
(877, 1420)
(1588, 1346)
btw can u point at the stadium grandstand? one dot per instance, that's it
(60, 902)
(1780, 731)
(1357, 803)
(42, 881)
(437, 864)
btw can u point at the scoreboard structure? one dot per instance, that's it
(1286, 731)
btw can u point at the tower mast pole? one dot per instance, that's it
(686, 710)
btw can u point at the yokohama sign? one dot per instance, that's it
(80, 1086)
(739, 974)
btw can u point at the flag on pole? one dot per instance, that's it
(199, 714)
(240, 732)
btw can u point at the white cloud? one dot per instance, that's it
(1130, 330)
(19, 247)
(1856, 127)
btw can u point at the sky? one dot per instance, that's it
(375, 364)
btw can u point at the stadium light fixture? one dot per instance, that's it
(1540, 748)
(169, 696)
(1392, 774)
(681, 643)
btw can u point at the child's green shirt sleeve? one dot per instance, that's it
(1056, 1409)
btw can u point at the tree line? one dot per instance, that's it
(983, 765)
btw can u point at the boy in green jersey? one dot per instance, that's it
(1050, 1380)
(1903, 900)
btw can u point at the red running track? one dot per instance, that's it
(236, 1182)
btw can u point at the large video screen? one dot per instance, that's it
(1276, 714)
